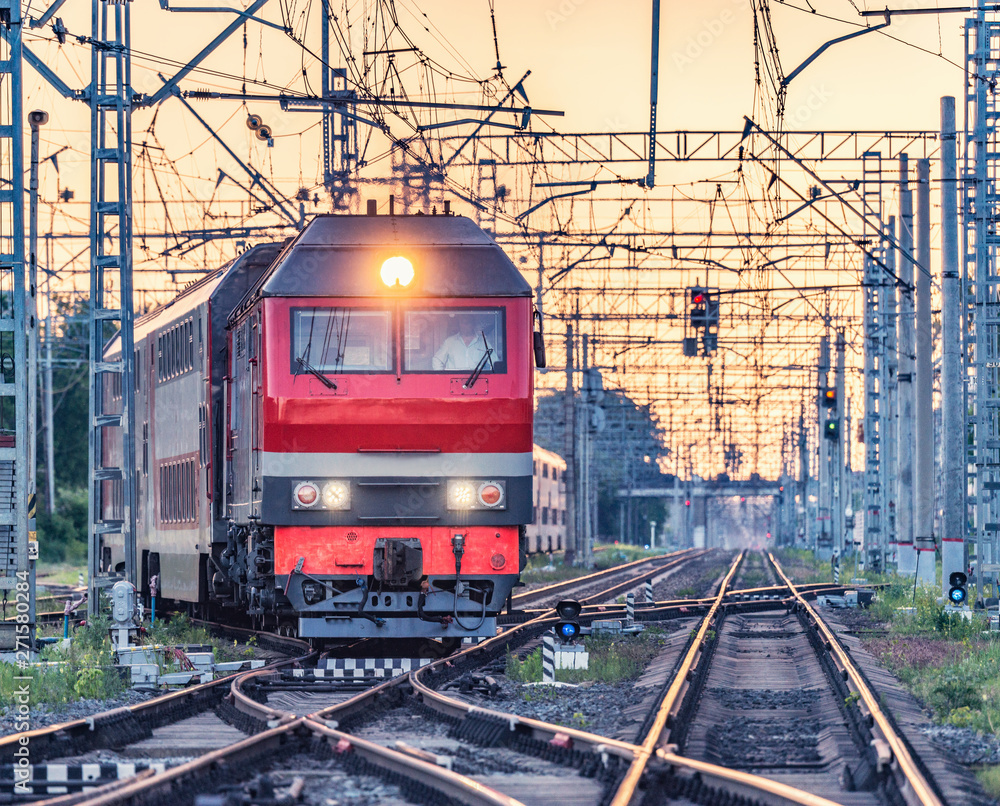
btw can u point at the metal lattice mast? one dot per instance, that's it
(340, 126)
(980, 164)
(112, 390)
(14, 439)
(875, 524)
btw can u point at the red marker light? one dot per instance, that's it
(490, 494)
(306, 494)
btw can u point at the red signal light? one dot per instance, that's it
(687, 503)
(697, 299)
(768, 535)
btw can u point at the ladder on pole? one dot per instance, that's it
(16, 550)
(111, 500)
(875, 367)
(981, 207)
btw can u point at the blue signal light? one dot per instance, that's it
(957, 595)
(568, 630)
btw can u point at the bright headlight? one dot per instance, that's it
(461, 495)
(337, 495)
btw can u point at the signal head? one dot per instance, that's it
(567, 631)
(568, 609)
(957, 595)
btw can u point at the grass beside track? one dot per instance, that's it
(614, 659)
(951, 664)
(85, 669)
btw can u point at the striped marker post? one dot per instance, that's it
(836, 571)
(548, 659)
(649, 591)
(630, 607)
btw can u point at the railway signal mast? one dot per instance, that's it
(17, 551)
(111, 501)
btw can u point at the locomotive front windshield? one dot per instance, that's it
(454, 340)
(335, 340)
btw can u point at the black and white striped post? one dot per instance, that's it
(649, 591)
(548, 658)
(630, 607)
(836, 570)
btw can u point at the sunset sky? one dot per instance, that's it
(589, 59)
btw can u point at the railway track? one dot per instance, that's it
(107, 745)
(272, 704)
(415, 739)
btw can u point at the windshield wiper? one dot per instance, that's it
(487, 356)
(313, 371)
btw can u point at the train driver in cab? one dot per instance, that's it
(464, 349)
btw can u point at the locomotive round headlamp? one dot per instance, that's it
(305, 494)
(337, 495)
(490, 494)
(397, 271)
(461, 495)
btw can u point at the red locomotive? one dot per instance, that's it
(334, 436)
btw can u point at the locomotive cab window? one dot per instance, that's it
(454, 340)
(337, 340)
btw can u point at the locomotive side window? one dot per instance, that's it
(335, 340)
(454, 340)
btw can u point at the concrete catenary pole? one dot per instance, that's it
(888, 405)
(907, 558)
(839, 497)
(569, 450)
(953, 449)
(923, 488)
(804, 482)
(823, 537)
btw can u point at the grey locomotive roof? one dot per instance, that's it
(341, 255)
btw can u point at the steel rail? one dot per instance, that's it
(273, 716)
(921, 788)
(566, 584)
(745, 783)
(459, 708)
(273, 739)
(459, 787)
(813, 588)
(153, 706)
(85, 795)
(626, 791)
